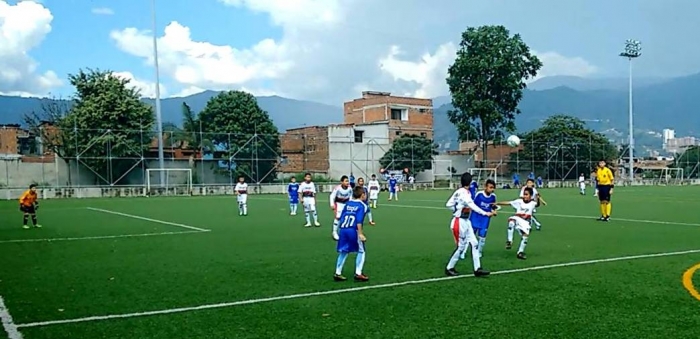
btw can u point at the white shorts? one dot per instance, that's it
(582, 185)
(462, 232)
(374, 194)
(309, 204)
(522, 225)
(339, 209)
(242, 198)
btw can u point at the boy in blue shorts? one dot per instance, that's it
(293, 192)
(485, 199)
(351, 238)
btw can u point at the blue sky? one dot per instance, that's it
(327, 50)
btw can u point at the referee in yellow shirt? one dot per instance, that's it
(606, 184)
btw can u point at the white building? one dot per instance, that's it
(357, 149)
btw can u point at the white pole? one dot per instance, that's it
(159, 118)
(631, 136)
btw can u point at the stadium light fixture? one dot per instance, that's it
(633, 50)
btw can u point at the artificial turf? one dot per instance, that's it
(144, 267)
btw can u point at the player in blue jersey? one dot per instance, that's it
(351, 238)
(473, 187)
(516, 180)
(540, 182)
(486, 200)
(293, 192)
(393, 188)
(352, 180)
(361, 183)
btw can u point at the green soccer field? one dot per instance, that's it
(192, 268)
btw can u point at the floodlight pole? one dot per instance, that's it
(159, 117)
(633, 49)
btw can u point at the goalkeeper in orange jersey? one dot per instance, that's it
(28, 204)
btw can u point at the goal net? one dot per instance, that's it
(168, 181)
(670, 176)
(442, 173)
(483, 174)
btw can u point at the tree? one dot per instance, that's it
(410, 151)
(563, 148)
(689, 161)
(486, 82)
(113, 125)
(247, 134)
(56, 136)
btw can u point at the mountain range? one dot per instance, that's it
(602, 103)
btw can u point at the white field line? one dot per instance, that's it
(97, 237)
(149, 219)
(656, 222)
(345, 290)
(7, 323)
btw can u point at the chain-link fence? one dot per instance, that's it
(75, 158)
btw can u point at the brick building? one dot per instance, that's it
(405, 115)
(305, 149)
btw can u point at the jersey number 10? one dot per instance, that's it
(348, 221)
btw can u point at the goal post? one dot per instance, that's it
(671, 176)
(483, 174)
(177, 181)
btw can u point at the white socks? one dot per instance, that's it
(459, 253)
(359, 263)
(511, 230)
(523, 244)
(482, 242)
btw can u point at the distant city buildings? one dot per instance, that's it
(677, 145)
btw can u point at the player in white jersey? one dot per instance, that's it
(524, 210)
(339, 197)
(373, 187)
(535, 197)
(582, 184)
(242, 196)
(308, 199)
(462, 205)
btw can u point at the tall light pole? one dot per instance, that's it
(633, 49)
(159, 117)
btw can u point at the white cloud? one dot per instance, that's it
(557, 64)
(146, 88)
(191, 90)
(23, 27)
(102, 11)
(328, 51)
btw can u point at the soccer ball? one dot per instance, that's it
(513, 141)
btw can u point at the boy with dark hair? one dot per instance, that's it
(28, 204)
(351, 238)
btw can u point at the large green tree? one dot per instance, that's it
(414, 152)
(486, 82)
(235, 123)
(562, 148)
(689, 161)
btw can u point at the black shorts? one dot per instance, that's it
(604, 192)
(27, 209)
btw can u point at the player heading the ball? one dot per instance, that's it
(351, 235)
(462, 206)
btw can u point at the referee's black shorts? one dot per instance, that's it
(604, 192)
(27, 209)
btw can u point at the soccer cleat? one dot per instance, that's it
(451, 272)
(372, 223)
(521, 256)
(480, 272)
(307, 225)
(317, 224)
(539, 228)
(361, 278)
(37, 226)
(339, 277)
(335, 236)
(25, 227)
(509, 245)
(606, 219)
(601, 218)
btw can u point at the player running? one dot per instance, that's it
(340, 195)
(393, 188)
(361, 183)
(462, 205)
(486, 200)
(29, 204)
(242, 196)
(293, 193)
(374, 188)
(582, 184)
(351, 235)
(308, 199)
(535, 196)
(524, 209)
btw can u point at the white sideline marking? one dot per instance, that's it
(97, 237)
(7, 323)
(149, 219)
(344, 290)
(659, 222)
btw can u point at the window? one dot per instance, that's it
(358, 136)
(423, 110)
(398, 133)
(423, 134)
(395, 114)
(310, 148)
